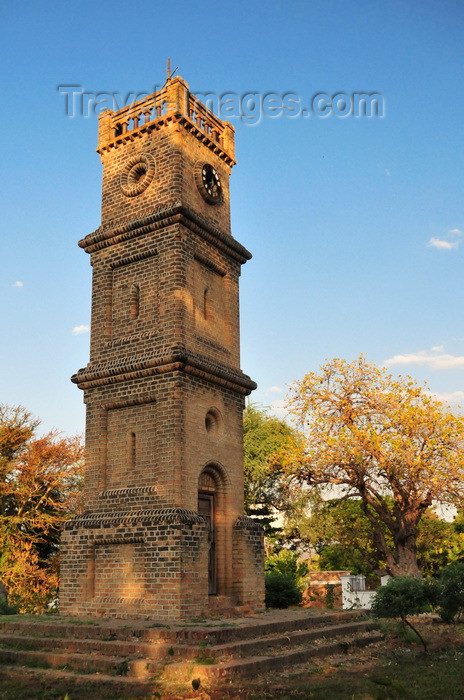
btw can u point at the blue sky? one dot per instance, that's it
(355, 224)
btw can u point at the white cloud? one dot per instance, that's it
(452, 397)
(19, 284)
(387, 172)
(437, 348)
(77, 330)
(275, 389)
(442, 245)
(425, 359)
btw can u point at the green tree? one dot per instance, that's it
(340, 533)
(39, 488)
(267, 443)
(344, 538)
(383, 440)
(401, 597)
(449, 588)
(439, 544)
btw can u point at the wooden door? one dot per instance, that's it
(206, 507)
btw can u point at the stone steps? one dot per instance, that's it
(97, 630)
(81, 646)
(253, 647)
(180, 652)
(82, 663)
(259, 664)
(217, 632)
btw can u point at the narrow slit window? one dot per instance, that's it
(206, 301)
(134, 301)
(132, 449)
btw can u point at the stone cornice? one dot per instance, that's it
(179, 360)
(166, 215)
(93, 520)
(244, 522)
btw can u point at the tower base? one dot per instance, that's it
(152, 563)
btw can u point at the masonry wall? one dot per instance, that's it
(151, 564)
(248, 549)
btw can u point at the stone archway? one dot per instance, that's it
(212, 500)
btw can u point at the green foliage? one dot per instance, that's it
(285, 579)
(329, 596)
(122, 669)
(458, 522)
(281, 590)
(450, 592)
(344, 538)
(401, 596)
(267, 441)
(439, 543)
(287, 563)
(7, 609)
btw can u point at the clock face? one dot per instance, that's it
(209, 183)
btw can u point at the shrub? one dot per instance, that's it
(450, 592)
(402, 596)
(285, 579)
(287, 562)
(6, 609)
(282, 590)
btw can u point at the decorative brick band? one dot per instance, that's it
(180, 360)
(134, 338)
(124, 493)
(165, 215)
(244, 522)
(112, 600)
(123, 403)
(133, 258)
(209, 264)
(150, 516)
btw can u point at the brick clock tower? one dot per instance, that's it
(163, 534)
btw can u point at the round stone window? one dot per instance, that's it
(137, 174)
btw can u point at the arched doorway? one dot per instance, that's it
(207, 506)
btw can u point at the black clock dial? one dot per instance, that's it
(209, 183)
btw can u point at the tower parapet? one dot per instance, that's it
(174, 102)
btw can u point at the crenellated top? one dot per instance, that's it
(174, 102)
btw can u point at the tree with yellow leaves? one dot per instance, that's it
(384, 440)
(39, 488)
